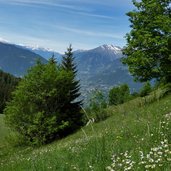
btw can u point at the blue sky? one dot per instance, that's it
(57, 23)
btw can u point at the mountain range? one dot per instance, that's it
(100, 67)
(16, 60)
(44, 52)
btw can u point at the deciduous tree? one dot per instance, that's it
(40, 110)
(147, 51)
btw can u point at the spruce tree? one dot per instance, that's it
(69, 66)
(53, 59)
(72, 105)
(68, 61)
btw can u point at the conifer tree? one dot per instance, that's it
(68, 61)
(73, 105)
(69, 66)
(53, 59)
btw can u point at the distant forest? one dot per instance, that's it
(7, 84)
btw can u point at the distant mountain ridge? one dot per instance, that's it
(44, 52)
(98, 59)
(100, 67)
(16, 60)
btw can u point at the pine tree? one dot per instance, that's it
(69, 66)
(68, 61)
(53, 59)
(73, 105)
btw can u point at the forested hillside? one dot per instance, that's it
(16, 60)
(7, 84)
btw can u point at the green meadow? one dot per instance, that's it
(136, 136)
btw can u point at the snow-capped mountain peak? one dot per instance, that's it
(37, 47)
(4, 41)
(116, 49)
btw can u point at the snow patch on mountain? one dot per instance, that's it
(115, 49)
(37, 47)
(2, 40)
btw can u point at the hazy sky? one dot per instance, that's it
(56, 23)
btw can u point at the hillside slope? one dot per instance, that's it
(99, 68)
(7, 85)
(102, 68)
(16, 60)
(136, 137)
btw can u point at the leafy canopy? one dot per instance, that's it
(119, 94)
(40, 108)
(147, 50)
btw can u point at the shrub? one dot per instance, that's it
(146, 89)
(37, 111)
(119, 94)
(7, 83)
(97, 106)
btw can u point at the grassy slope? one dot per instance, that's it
(131, 128)
(3, 132)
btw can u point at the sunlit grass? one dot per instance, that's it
(4, 131)
(131, 128)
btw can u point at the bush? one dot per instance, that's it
(7, 83)
(97, 106)
(119, 95)
(146, 89)
(37, 111)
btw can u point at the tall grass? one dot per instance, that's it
(3, 129)
(130, 129)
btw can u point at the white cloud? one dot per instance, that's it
(90, 33)
(39, 3)
(94, 15)
(81, 21)
(75, 8)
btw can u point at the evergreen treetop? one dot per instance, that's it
(69, 66)
(68, 61)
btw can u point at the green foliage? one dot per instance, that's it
(72, 105)
(97, 105)
(134, 95)
(7, 85)
(68, 65)
(38, 110)
(98, 100)
(146, 89)
(68, 61)
(119, 94)
(148, 43)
